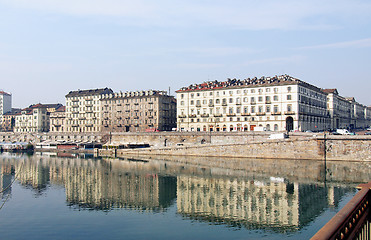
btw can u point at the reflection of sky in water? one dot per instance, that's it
(55, 198)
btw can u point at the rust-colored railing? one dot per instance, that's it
(351, 222)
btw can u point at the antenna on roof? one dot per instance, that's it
(169, 91)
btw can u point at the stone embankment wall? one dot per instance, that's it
(350, 148)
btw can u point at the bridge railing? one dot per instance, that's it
(351, 222)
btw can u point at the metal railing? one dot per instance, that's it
(351, 222)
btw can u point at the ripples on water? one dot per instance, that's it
(77, 198)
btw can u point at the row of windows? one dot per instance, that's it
(231, 110)
(237, 100)
(231, 92)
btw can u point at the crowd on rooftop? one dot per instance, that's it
(237, 82)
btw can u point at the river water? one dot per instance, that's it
(50, 196)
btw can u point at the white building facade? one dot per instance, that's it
(280, 103)
(32, 119)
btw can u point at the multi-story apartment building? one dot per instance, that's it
(138, 111)
(359, 115)
(5, 104)
(280, 103)
(340, 109)
(57, 120)
(35, 118)
(83, 110)
(8, 120)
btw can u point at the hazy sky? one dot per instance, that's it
(50, 47)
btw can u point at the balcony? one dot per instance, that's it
(260, 113)
(89, 125)
(182, 116)
(245, 114)
(198, 105)
(252, 103)
(231, 114)
(268, 102)
(204, 115)
(276, 113)
(289, 113)
(224, 104)
(211, 105)
(218, 115)
(192, 115)
(89, 105)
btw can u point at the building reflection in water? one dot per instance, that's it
(263, 202)
(269, 204)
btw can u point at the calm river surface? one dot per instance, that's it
(46, 196)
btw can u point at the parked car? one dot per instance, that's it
(367, 133)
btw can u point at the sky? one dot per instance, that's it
(51, 47)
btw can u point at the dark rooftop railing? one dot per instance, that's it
(351, 222)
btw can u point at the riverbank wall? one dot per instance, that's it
(335, 148)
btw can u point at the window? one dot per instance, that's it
(182, 103)
(260, 99)
(230, 110)
(224, 101)
(275, 109)
(245, 110)
(217, 101)
(238, 110)
(267, 89)
(192, 95)
(238, 100)
(268, 108)
(252, 90)
(192, 102)
(275, 90)
(260, 109)
(252, 100)
(245, 99)
(275, 98)
(231, 100)
(182, 96)
(267, 98)
(289, 107)
(238, 91)
(252, 109)
(288, 97)
(289, 89)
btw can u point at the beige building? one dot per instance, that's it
(138, 111)
(8, 120)
(58, 120)
(280, 103)
(83, 110)
(35, 118)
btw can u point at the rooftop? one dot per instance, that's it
(233, 83)
(89, 92)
